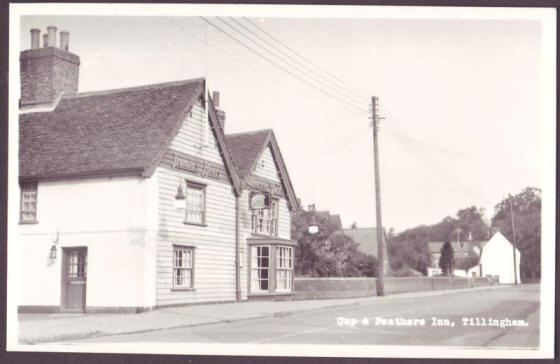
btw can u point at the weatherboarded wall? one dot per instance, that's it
(319, 288)
(213, 241)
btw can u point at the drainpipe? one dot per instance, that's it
(237, 244)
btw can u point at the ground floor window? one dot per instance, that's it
(271, 268)
(284, 268)
(183, 263)
(260, 261)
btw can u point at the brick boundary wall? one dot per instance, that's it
(324, 288)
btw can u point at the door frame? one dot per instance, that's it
(63, 275)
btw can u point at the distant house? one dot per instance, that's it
(466, 255)
(333, 219)
(366, 238)
(497, 259)
(479, 258)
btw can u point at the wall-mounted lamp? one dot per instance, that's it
(179, 202)
(53, 251)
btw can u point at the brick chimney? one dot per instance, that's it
(49, 71)
(220, 113)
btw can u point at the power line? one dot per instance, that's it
(305, 74)
(217, 46)
(282, 67)
(396, 129)
(361, 92)
(338, 85)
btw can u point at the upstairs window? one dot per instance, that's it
(265, 221)
(196, 203)
(28, 203)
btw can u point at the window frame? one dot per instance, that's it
(35, 186)
(272, 222)
(253, 269)
(279, 267)
(174, 286)
(198, 186)
(273, 269)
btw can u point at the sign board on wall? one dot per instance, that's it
(261, 184)
(259, 201)
(195, 165)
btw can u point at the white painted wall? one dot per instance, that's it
(195, 137)
(109, 216)
(497, 259)
(214, 264)
(266, 167)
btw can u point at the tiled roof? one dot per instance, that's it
(366, 238)
(245, 148)
(333, 219)
(104, 132)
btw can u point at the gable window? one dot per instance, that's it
(265, 221)
(260, 265)
(183, 263)
(196, 203)
(284, 268)
(28, 203)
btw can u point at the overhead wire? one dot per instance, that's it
(282, 67)
(417, 148)
(230, 56)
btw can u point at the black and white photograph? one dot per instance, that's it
(282, 180)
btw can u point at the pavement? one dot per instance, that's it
(44, 328)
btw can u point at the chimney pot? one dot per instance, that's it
(35, 36)
(216, 98)
(47, 73)
(64, 40)
(51, 31)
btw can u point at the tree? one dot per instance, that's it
(329, 253)
(526, 207)
(409, 249)
(447, 259)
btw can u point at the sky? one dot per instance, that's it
(463, 95)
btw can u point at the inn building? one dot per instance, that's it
(135, 198)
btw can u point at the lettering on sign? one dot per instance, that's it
(259, 201)
(201, 168)
(267, 187)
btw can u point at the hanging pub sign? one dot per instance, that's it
(259, 201)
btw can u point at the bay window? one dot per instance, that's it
(260, 268)
(284, 268)
(271, 266)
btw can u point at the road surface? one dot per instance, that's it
(444, 320)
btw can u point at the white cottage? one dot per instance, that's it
(496, 259)
(134, 198)
(493, 257)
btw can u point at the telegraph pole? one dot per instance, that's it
(379, 227)
(513, 238)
